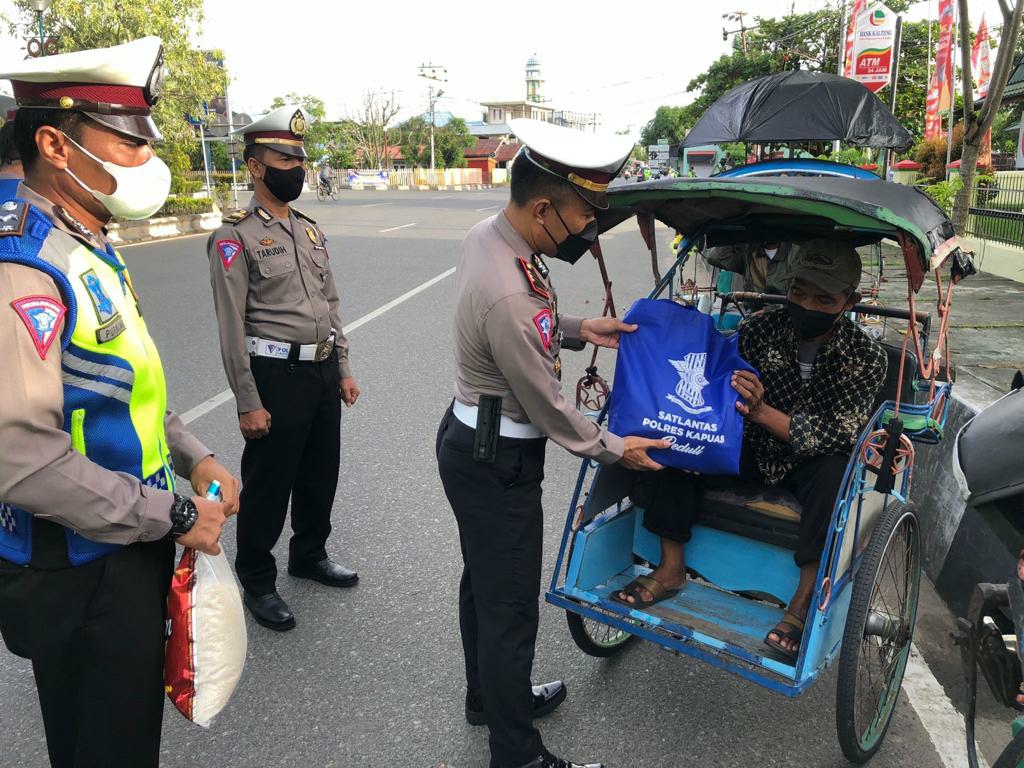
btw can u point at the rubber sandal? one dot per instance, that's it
(656, 588)
(794, 634)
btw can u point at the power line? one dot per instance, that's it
(433, 73)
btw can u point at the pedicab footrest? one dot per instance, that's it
(771, 515)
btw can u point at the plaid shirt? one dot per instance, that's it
(828, 412)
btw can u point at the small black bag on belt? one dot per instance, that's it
(488, 429)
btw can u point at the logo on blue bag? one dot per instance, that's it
(689, 391)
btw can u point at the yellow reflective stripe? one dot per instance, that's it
(78, 430)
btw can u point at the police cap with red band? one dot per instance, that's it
(117, 87)
(281, 129)
(588, 161)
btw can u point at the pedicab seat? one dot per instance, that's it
(752, 510)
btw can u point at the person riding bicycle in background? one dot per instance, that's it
(325, 177)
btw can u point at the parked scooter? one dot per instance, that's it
(987, 464)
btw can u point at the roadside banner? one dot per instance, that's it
(873, 46)
(858, 9)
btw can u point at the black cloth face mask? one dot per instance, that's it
(575, 245)
(285, 185)
(810, 323)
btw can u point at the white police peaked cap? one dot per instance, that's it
(281, 129)
(588, 161)
(117, 87)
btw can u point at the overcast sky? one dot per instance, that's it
(619, 60)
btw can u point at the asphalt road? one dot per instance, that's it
(373, 676)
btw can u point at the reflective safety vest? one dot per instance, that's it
(115, 397)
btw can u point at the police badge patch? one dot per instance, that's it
(228, 250)
(42, 316)
(105, 309)
(545, 326)
(12, 218)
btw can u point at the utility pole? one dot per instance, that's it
(433, 73)
(738, 17)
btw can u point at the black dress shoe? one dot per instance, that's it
(269, 611)
(326, 572)
(546, 699)
(547, 760)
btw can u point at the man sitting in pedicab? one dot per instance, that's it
(819, 377)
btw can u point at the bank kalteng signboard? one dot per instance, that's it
(873, 45)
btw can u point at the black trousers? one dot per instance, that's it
(671, 499)
(95, 636)
(500, 517)
(298, 460)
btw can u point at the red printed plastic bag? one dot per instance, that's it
(207, 644)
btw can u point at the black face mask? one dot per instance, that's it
(810, 323)
(285, 185)
(575, 245)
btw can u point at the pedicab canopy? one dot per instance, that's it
(800, 106)
(769, 209)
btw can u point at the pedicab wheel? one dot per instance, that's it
(879, 628)
(595, 638)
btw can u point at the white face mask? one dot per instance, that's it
(140, 190)
(770, 252)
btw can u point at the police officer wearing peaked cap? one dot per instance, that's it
(508, 403)
(287, 362)
(88, 508)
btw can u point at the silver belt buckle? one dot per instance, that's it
(324, 349)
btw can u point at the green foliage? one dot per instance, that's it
(184, 206)
(931, 153)
(191, 79)
(735, 153)
(182, 186)
(668, 123)
(850, 156)
(943, 192)
(450, 142)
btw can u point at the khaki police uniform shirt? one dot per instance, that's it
(277, 285)
(508, 337)
(39, 470)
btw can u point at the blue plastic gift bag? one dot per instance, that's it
(672, 381)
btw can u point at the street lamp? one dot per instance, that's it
(40, 46)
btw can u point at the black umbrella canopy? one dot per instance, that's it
(800, 106)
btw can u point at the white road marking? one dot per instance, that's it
(372, 205)
(222, 397)
(487, 208)
(392, 229)
(944, 724)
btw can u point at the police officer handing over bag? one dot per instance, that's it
(88, 449)
(508, 402)
(286, 360)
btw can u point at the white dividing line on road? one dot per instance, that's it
(222, 397)
(392, 229)
(942, 721)
(372, 205)
(487, 208)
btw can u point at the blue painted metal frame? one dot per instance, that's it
(801, 167)
(826, 618)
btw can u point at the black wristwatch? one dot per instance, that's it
(183, 516)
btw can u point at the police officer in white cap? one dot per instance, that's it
(287, 362)
(508, 403)
(88, 449)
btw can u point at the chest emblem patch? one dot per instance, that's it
(42, 316)
(545, 326)
(105, 309)
(228, 250)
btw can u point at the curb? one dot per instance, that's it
(121, 233)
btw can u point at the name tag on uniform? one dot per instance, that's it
(110, 331)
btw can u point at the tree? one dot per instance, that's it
(667, 123)
(320, 135)
(192, 80)
(976, 124)
(369, 128)
(450, 142)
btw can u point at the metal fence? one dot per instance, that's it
(997, 210)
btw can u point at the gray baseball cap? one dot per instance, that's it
(829, 264)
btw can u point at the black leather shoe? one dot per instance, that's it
(269, 611)
(546, 699)
(326, 572)
(547, 760)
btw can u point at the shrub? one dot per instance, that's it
(944, 192)
(182, 186)
(184, 206)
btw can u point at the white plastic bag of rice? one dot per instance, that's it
(207, 642)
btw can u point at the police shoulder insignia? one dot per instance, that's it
(236, 216)
(534, 279)
(545, 326)
(42, 316)
(312, 235)
(305, 216)
(13, 216)
(264, 214)
(228, 250)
